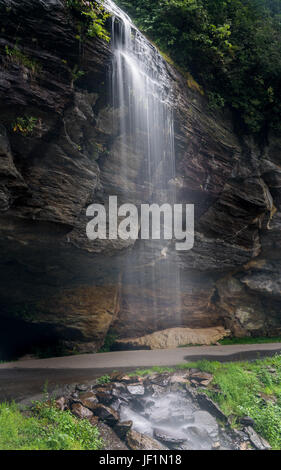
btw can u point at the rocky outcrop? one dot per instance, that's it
(173, 338)
(171, 412)
(51, 274)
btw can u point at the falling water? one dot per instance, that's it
(142, 93)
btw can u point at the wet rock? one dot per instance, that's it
(209, 405)
(138, 405)
(138, 441)
(216, 445)
(140, 423)
(179, 379)
(89, 400)
(156, 390)
(204, 425)
(106, 414)
(94, 420)
(61, 403)
(163, 380)
(169, 437)
(81, 412)
(127, 379)
(110, 438)
(203, 378)
(258, 442)
(247, 421)
(136, 390)
(122, 429)
(104, 395)
(82, 388)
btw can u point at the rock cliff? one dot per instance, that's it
(59, 152)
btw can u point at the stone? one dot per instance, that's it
(179, 379)
(174, 337)
(247, 421)
(61, 403)
(89, 400)
(206, 423)
(82, 387)
(81, 412)
(216, 445)
(138, 441)
(209, 405)
(258, 442)
(122, 429)
(169, 437)
(136, 390)
(94, 420)
(106, 414)
(202, 377)
(104, 395)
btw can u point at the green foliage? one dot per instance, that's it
(216, 101)
(24, 125)
(45, 428)
(93, 19)
(232, 47)
(17, 56)
(105, 379)
(110, 339)
(76, 73)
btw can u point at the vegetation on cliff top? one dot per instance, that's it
(232, 47)
(93, 19)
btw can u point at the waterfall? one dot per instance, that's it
(142, 92)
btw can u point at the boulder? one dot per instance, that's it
(61, 403)
(138, 441)
(169, 437)
(122, 429)
(258, 442)
(81, 412)
(209, 405)
(136, 390)
(89, 400)
(173, 338)
(203, 378)
(106, 414)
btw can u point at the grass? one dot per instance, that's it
(45, 428)
(243, 389)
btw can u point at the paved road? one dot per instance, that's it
(25, 379)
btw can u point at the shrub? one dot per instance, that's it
(93, 19)
(25, 125)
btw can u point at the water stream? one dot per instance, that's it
(142, 92)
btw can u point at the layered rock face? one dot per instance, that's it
(53, 169)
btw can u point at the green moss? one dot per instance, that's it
(17, 56)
